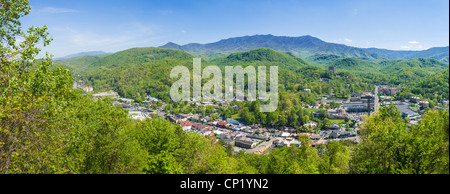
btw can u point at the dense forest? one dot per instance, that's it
(47, 127)
(393, 72)
(137, 77)
(131, 72)
(434, 86)
(426, 78)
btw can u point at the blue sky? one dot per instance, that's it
(111, 25)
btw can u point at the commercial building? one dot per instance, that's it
(332, 68)
(245, 143)
(414, 99)
(355, 107)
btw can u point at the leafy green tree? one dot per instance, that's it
(334, 158)
(301, 117)
(322, 114)
(101, 142)
(293, 118)
(30, 97)
(45, 125)
(389, 146)
(325, 123)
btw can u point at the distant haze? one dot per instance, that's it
(83, 54)
(113, 25)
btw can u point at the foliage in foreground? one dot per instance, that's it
(46, 127)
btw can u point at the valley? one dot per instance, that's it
(344, 94)
(335, 109)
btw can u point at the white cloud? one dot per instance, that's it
(347, 40)
(183, 31)
(56, 10)
(412, 45)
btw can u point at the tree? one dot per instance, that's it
(333, 104)
(101, 140)
(325, 123)
(322, 114)
(335, 158)
(45, 125)
(292, 118)
(25, 91)
(346, 119)
(301, 118)
(306, 119)
(389, 146)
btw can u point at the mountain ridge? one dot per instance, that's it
(93, 53)
(303, 46)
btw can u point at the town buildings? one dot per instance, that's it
(258, 139)
(332, 68)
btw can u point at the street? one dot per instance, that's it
(263, 146)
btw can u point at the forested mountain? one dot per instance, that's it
(322, 58)
(79, 65)
(136, 56)
(134, 72)
(385, 66)
(295, 74)
(388, 71)
(438, 53)
(303, 46)
(260, 56)
(434, 86)
(83, 64)
(46, 127)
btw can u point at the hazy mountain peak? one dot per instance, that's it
(171, 45)
(302, 46)
(83, 54)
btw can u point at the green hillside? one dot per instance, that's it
(129, 57)
(81, 64)
(434, 86)
(149, 68)
(354, 64)
(47, 127)
(261, 56)
(323, 58)
(137, 71)
(388, 71)
(136, 56)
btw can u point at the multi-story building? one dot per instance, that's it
(244, 143)
(332, 68)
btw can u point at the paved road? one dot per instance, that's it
(356, 138)
(265, 144)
